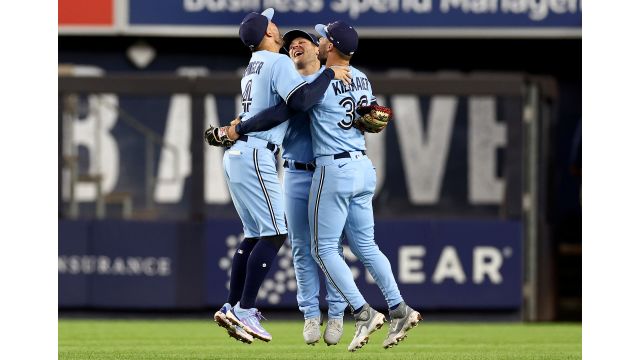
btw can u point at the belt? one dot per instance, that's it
(299, 166)
(269, 145)
(346, 154)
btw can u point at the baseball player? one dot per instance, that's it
(298, 162)
(343, 186)
(270, 78)
(342, 191)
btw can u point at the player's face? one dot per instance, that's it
(323, 49)
(275, 32)
(302, 51)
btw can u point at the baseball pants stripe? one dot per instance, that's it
(264, 190)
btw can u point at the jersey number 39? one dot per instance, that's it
(349, 104)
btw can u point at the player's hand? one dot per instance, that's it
(231, 131)
(342, 73)
(235, 121)
(218, 136)
(373, 118)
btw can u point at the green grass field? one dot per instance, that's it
(203, 339)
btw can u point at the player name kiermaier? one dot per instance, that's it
(358, 83)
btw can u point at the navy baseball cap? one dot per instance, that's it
(342, 35)
(294, 34)
(253, 27)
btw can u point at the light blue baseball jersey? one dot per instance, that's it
(332, 119)
(342, 192)
(297, 139)
(268, 79)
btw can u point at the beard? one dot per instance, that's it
(322, 54)
(279, 40)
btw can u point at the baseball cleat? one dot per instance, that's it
(239, 334)
(368, 321)
(402, 319)
(311, 330)
(234, 331)
(249, 320)
(333, 332)
(220, 317)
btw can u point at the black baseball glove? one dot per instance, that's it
(218, 136)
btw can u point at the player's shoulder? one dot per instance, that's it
(269, 56)
(357, 72)
(277, 57)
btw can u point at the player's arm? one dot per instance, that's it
(300, 100)
(303, 98)
(264, 120)
(300, 96)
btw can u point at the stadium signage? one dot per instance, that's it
(486, 265)
(448, 264)
(127, 264)
(534, 10)
(460, 140)
(105, 265)
(437, 264)
(373, 18)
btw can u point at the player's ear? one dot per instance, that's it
(270, 30)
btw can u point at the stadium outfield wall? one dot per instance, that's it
(439, 264)
(450, 220)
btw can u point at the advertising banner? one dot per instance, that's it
(365, 14)
(114, 264)
(372, 18)
(439, 264)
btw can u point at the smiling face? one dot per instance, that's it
(302, 51)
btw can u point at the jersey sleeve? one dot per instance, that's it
(286, 79)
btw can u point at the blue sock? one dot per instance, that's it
(239, 269)
(258, 267)
(395, 306)
(358, 310)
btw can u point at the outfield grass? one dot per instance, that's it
(191, 339)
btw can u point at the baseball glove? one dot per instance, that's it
(373, 118)
(218, 136)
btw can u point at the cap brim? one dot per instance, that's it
(296, 33)
(320, 29)
(268, 13)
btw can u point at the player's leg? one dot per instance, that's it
(359, 230)
(296, 196)
(334, 329)
(261, 192)
(328, 206)
(239, 262)
(241, 256)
